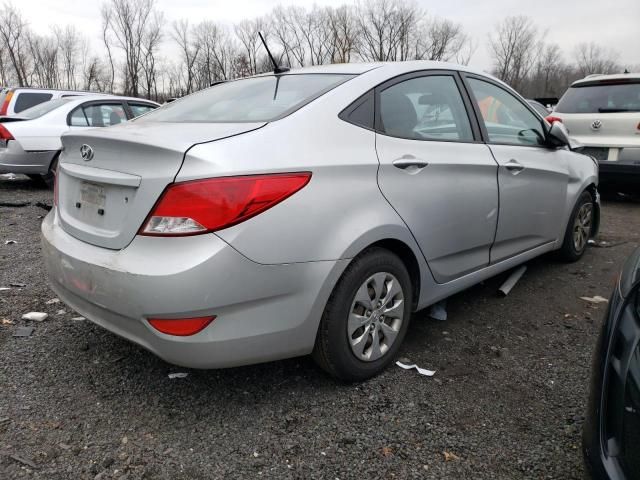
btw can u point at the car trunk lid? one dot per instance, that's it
(109, 179)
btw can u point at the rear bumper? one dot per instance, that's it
(13, 159)
(264, 312)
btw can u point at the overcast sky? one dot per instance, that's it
(611, 23)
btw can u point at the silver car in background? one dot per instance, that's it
(310, 212)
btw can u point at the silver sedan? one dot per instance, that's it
(310, 212)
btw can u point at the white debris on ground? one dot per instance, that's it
(407, 365)
(52, 301)
(35, 316)
(596, 299)
(178, 375)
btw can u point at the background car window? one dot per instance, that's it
(78, 119)
(507, 120)
(425, 108)
(104, 115)
(30, 99)
(139, 109)
(601, 97)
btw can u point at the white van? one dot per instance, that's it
(15, 100)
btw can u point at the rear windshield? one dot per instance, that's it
(257, 99)
(42, 108)
(27, 100)
(601, 98)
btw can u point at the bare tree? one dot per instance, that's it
(69, 44)
(515, 47)
(216, 53)
(13, 37)
(591, 58)
(189, 49)
(247, 33)
(344, 30)
(151, 39)
(386, 29)
(444, 40)
(44, 59)
(127, 21)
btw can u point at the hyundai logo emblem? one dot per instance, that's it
(596, 125)
(86, 152)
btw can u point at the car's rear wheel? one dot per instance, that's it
(366, 317)
(50, 178)
(579, 228)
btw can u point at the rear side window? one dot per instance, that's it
(425, 108)
(360, 112)
(139, 109)
(506, 119)
(43, 108)
(602, 97)
(257, 99)
(97, 115)
(30, 99)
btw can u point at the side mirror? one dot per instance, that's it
(559, 137)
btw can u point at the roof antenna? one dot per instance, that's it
(276, 68)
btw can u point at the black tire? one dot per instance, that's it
(571, 250)
(50, 178)
(333, 351)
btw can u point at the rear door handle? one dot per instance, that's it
(514, 166)
(409, 162)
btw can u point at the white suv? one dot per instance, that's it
(603, 113)
(16, 100)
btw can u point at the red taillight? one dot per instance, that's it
(201, 206)
(5, 104)
(180, 327)
(552, 119)
(5, 134)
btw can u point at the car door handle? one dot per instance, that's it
(514, 166)
(409, 162)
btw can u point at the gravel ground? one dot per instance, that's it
(506, 402)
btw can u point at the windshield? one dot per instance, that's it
(42, 108)
(257, 99)
(601, 98)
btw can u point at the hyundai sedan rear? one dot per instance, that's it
(309, 212)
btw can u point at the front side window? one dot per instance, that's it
(506, 119)
(256, 99)
(425, 108)
(139, 109)
(30, 99)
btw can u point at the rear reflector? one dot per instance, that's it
(552, 119)
(201, 206)
(180, 327)
(5, 134)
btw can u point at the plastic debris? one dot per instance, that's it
(18, 285)
(78, 319)
(406, 365)
(23, 332)
(10, 242)
(448, 456)
(2, 289)
(35, 316)
(8, 176)
(52, 301)
(510, 282)
(7, 321)
(596, 299)
(61, 312)
(438, 311)
(178, 375)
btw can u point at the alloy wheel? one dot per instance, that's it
(582, 226)
(375, 317)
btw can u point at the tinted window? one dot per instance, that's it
(601, 98)
(30, 99)
(42, 108)
(425, 108)
(507, 120)
(541, 109)
(257, 99)
(98, 115)
(361, 112)
(139, 109)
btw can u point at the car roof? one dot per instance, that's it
(102, 96)
(597, 77)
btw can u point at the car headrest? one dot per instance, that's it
(398, 115)
(114, 119)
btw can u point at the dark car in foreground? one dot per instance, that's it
(611, 436)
